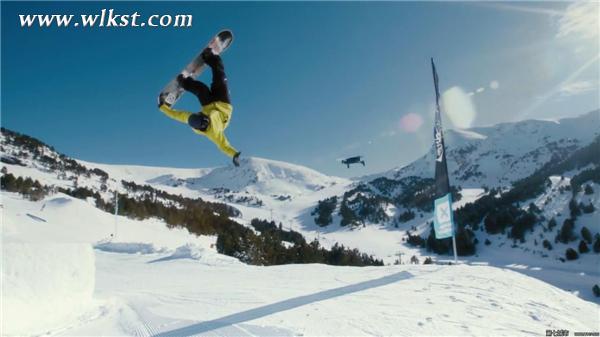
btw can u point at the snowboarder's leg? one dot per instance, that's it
(197, 88)
(218, 87)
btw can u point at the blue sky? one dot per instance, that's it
(311, 82)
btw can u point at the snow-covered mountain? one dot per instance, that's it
(478, 159)
(263, 176)
(256, 182)
(498, 155)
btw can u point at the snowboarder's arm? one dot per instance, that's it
(178, 115)
(224, 145)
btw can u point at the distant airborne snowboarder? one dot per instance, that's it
(216, 106)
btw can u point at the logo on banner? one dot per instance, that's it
(439, 147)
(442, 223)
(442, 212)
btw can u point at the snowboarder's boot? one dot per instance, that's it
(181, 80)
(212, 60)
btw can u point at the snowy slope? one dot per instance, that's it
(63, 219)
(49, 266)
(317, 300)
(176, 290)
(531, 258)
(51, 282)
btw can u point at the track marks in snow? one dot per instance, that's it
(145, 329)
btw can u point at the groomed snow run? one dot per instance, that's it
(180, 297)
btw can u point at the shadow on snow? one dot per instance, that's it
(288, 304)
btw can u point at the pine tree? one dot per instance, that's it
(586, 235)
(597, 244)
(574, 208)
(324, 210)
(588, 189)
(566, 232)
(571, 254)
(551, 224)
(587, 209)
(9, 183)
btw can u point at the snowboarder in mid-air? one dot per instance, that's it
(215, 115)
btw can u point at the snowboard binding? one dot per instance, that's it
(210, 57)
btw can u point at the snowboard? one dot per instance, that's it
(172, 91)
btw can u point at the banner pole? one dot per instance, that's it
(442, 181)
(116, 212)
(454, 246)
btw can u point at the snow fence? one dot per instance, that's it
(45, 286)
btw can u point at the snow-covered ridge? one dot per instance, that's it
(256, 182)
(259, 175)
(498, 155)
(267, 176)
(148, 174)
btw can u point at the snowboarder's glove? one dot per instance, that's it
(236, 159)
(161, 101)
